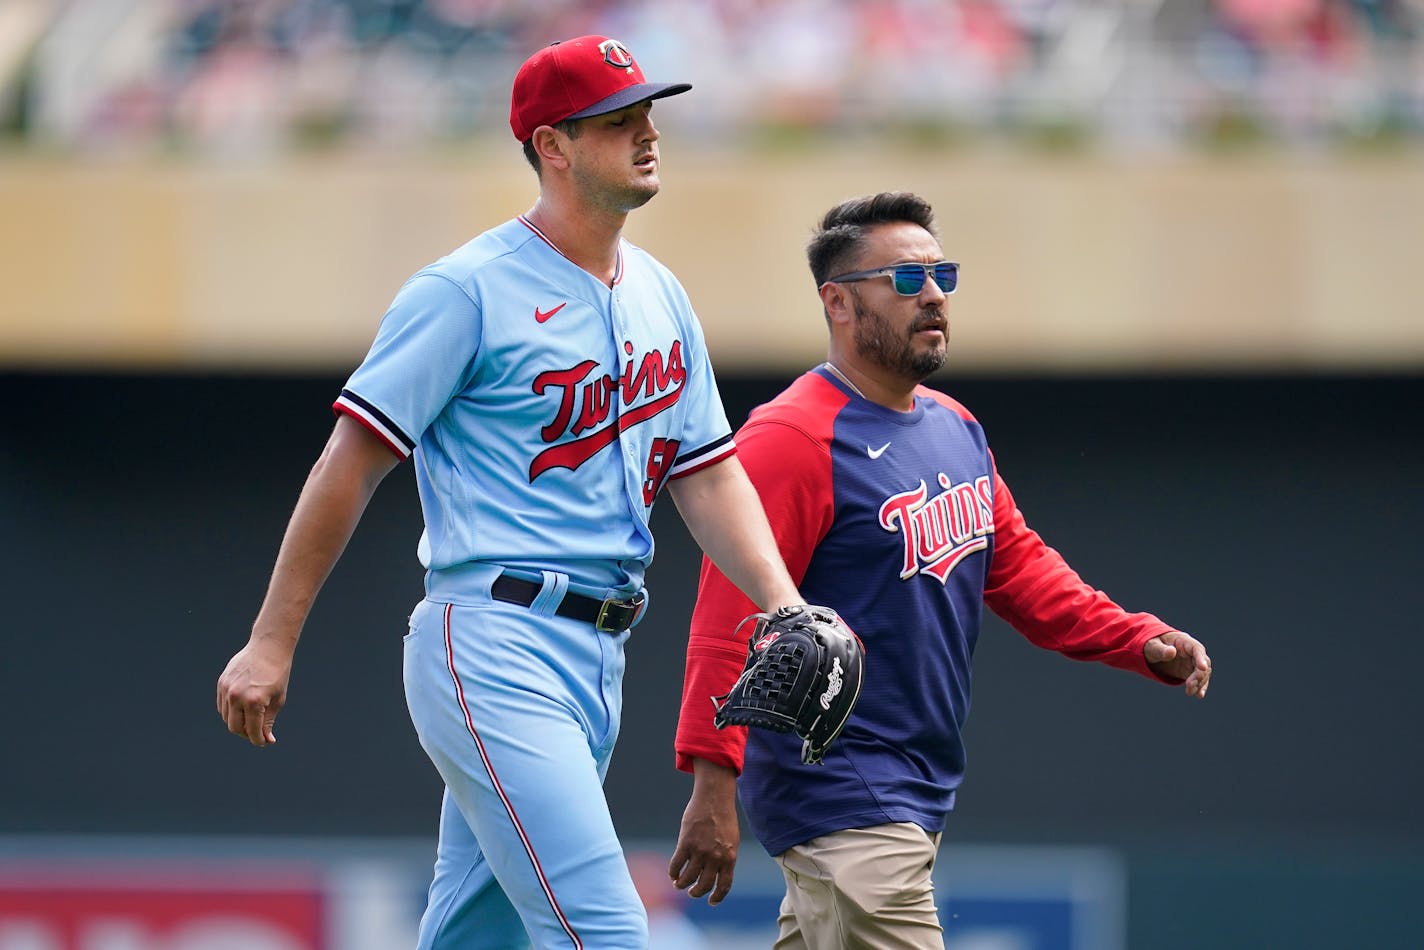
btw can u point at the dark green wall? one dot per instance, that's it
(1278, 518)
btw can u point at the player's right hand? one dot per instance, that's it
(706, 854)
(251, 691)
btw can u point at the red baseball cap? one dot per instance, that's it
(588, 75)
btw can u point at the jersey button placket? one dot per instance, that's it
(632, 478)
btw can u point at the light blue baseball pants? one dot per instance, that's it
(519, 711)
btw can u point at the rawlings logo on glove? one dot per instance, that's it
(803, 674)
(835, 678)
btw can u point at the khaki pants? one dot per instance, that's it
(861, 888)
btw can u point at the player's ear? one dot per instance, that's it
(551, 146)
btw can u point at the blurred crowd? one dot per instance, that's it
(259, 76)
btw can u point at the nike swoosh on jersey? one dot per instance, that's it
(542, 315)
(876, 453)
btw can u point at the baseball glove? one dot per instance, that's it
(803, 674)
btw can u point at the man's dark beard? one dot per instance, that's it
(876, 341)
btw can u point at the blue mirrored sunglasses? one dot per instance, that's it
(909, 279)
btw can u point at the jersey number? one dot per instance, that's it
(660, 460)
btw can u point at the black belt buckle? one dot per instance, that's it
(615, 616)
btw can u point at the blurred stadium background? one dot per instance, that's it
(1191, 235)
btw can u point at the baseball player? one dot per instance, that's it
(888, 508)
(548, 378)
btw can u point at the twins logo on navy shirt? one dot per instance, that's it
(586, 405)
(941, 530)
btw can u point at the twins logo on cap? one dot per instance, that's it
(616, 54)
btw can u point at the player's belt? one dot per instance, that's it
(610, 616)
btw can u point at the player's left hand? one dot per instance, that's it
(1179, 656)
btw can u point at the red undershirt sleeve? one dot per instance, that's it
(1034, 590)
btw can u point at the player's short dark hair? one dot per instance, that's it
(841, 234)
(569, 127)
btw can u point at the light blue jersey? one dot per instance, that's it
(544, 411)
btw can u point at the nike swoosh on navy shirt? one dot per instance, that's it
(876, 453)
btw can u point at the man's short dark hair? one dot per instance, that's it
(841, 234)
(569, 127)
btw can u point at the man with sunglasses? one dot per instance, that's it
(888, 508)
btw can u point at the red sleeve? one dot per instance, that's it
(1033, 589)
(791, 470)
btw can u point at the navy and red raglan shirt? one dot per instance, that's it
(900, 522)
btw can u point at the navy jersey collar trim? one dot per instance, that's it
(885, 412)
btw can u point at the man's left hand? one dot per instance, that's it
(1178, 656)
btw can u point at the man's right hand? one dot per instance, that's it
(252, 690)
(706, 853)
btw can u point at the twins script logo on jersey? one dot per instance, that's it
(940, 530)
(585, 405)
